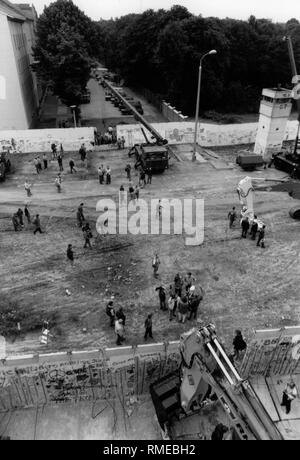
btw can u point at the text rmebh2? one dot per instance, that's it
(152, 217)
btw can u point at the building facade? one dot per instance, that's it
(19, 96)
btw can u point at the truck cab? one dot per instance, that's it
(147, 156)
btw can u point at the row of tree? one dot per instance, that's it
(161, 51)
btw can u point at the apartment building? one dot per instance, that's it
(19, 95)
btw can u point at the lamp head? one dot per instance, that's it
(212, 52)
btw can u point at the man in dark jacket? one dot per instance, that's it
(27, 213)
(20, 216)
(162, 297)
(232, 217)
(15, 221)
(110, 311)
(72, 166)
(254, 228)
(245, 227)
(121, 315)
(148, 327)
(37, 224)
(239, 343)
(261, 237)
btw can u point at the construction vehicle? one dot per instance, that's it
(5, 165)
(208, 378)
(149, 155)
(290, 161)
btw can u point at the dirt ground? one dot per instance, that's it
(245, 286)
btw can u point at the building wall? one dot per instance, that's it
(40, 140)
(28, 381)
(22, 54)
(12, 110)
(209, 135)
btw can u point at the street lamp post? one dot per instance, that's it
(198, 101)
(73, 107)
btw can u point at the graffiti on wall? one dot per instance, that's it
(91, 379)
(40, 140)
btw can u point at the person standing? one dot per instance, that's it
(82, 152)
(20, 214)
(119, 330)
(178, 284)
(119, 143)
(232, 217)
(27, 214)
(110, 311)
(289, 394)
(39, 163)
(261, 237)
(60, 162)
(101, 174)
(142, 178)
(239, 343)
(171, 305)
(58, 183)
(123, 142)
(15, 221)
(72, 166)
(131, 192)
(193, 306)
(162, 297)
(245, 227)
(155, 265)
(148, 327)
(54, 151)
(27, 187)
(128, 171)
(149, 175)
(183, 308)
(121, 315)
(137, 192)
(87, 236)
(45, 161)
(80, 216)
(37, 224)
(108, 175)
(36, 164)
(70, 254)
(254, 228)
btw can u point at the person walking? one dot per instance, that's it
(128, 171)
(37, 224)
(239, 343)
(289, 394)
(58, 183)
(36, 164)
(101, 174)
(87, 236)
(27, 214)
(120, 332)
(70, 254)
(72, 166)
(162, 297)
(80, 216)
(232, 216)
(110, 311)
(254, 228)
(20, 215)
(155, 265)
(245, 227)
(121, 315)
(45, 161)
(27, 187)
(142, 178)
(15, 221)
(108, 175)
(149, 175)
(261, 237)
(60, 162)
(148, 327)
(82, 152)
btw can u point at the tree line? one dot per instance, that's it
(160, 50)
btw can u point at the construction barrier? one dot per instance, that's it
(35, 380)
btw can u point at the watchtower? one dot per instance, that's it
(274, 111)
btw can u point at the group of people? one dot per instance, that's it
(18, 220)
(38, 163)
(104, 175)
(181, 300)
(254, 226)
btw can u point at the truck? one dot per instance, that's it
(148, 156)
